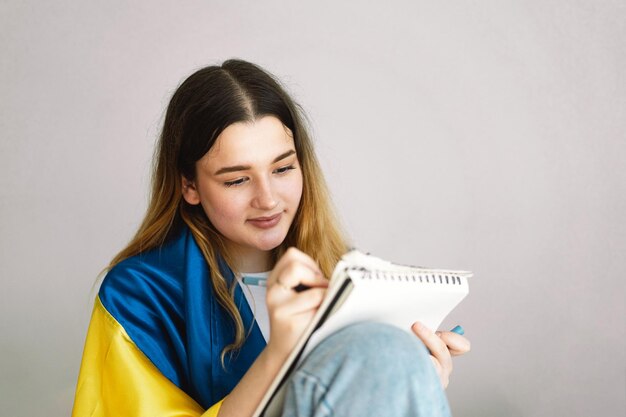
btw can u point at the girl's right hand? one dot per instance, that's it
(290, 311)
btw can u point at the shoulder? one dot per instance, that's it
(147, 282)
(145, 295)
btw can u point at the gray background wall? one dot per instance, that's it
(478, 135)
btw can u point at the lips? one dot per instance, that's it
(266, 222)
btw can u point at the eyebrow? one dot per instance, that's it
(236, 168)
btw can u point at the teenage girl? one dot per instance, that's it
(196, 315)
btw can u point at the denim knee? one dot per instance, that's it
(367, 369)
(383, 347)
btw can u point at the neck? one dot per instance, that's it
(251, 260)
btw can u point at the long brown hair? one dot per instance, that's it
(205, 104)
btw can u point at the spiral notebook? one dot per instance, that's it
(366, 288)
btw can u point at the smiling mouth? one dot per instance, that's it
(266, 218)
(266, 222)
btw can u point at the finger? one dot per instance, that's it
(301, 302)
(435, 345)
(294, 255)
(280, 292)
(289, 275)
(296, 273)
(445, 379)
(457, 344)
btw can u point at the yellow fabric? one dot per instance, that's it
(117, 380)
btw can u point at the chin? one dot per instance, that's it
(267, 246)
(271, 243)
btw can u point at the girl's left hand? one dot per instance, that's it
(442, 346)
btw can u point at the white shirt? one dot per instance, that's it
(254, 289)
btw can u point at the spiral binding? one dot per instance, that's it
(430, 278)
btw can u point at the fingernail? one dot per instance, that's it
(458, 330)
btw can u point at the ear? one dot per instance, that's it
(190, 192)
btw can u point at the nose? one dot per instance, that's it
(264, 197)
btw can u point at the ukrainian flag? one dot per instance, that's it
(155, 338)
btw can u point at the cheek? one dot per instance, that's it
(222, 209)
(293, 190)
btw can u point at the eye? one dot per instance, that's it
(284, 169)
(236, 182)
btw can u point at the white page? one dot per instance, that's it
(380, 291)
(400, 303)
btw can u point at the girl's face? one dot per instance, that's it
(249, 185)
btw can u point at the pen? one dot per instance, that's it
(259, 282)
(262, 282)
(458, 330)
(300, 288)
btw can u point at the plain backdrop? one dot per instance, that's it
(487, 136)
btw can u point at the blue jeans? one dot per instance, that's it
(367, 369)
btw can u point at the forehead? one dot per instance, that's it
(250, 142)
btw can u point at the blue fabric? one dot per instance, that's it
(164, 300)
(367, 370)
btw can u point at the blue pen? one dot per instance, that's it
(458, 330)
(260, 282)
